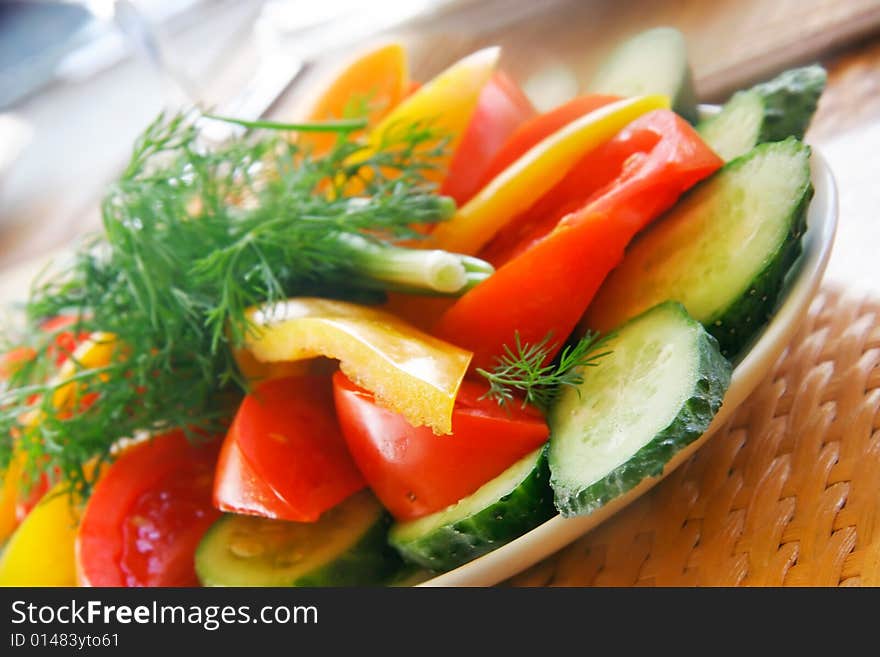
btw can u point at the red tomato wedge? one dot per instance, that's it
(147, 514)
(412, 470)
(501, 109)
(284, 456)
(551, 271)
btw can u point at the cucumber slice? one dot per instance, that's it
(652, 62)
(723, 251)
(347, 546)
(506, 507)
(770, 111)
(656, 392)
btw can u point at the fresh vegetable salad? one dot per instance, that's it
(399, 333)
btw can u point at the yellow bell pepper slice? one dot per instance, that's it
(41, 551)
(527, 179)
(408, 371)
(445, 102)
(9, 495)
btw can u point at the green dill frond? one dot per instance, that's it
(193, 237)
(524, 368)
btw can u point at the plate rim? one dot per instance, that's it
(554, 534)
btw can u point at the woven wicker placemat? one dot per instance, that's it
(786, 493)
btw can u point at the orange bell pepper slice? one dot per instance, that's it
(378, 77)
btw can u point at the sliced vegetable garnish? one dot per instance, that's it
(415, 472)
(147, 514)
(192, 237)
(409, 371)
(536, 172)
(317, 288)
(284, 456)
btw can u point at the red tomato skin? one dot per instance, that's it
(501, 109)
(290, 448)
(238, 489)
(165, 525)
(415, 472)
(147, 514)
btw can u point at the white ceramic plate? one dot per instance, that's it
(801, 286)
(554, 534)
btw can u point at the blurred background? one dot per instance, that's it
(79, 80)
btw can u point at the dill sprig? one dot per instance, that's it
(192, 237)
(526, 368)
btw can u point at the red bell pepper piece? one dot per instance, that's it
(551, 276)
(501, 109)
(532, 132)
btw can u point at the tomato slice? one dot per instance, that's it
(412, 470)
(285, 456)
(501, 109)
(147, 514)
